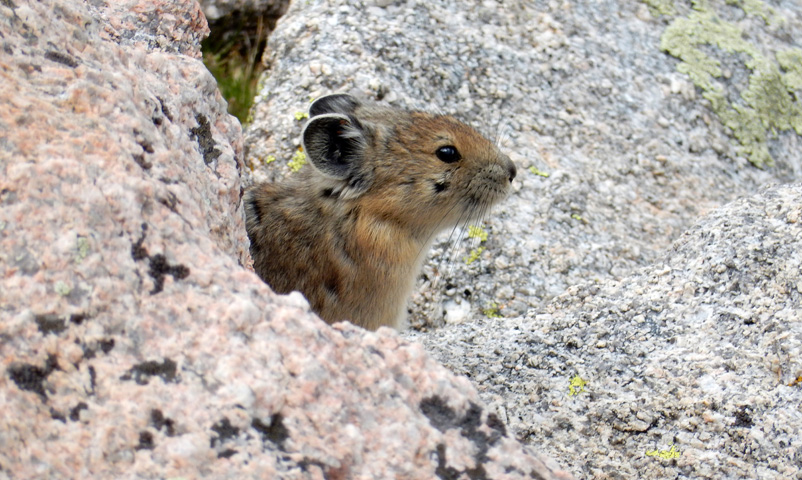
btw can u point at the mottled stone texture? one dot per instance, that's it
(133, 341)
(688, 345)
(689, 368)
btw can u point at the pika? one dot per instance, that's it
(352, 232)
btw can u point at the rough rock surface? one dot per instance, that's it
(692, 367)
(133, 342)
(580, 91)
(216, 9)
(622, 358)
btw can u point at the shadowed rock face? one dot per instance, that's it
(134, 342)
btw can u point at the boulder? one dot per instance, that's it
(690, 367)
(136, 341)
(592, 326)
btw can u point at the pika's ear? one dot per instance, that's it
(334, 143)
(335, 103)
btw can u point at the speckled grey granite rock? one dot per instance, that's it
(133, 341)
(692, 367)
(661, 363)
(580, 91)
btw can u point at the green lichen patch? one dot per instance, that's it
(477, 232)
(297, 161)
(576, 386)
(770, 102)
(62, 288)
(474, 255)
(492, 311)
(669, 454)
(660, 7)
(81, 249)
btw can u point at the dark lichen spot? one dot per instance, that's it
(443, 417)
(106, 345)
(472, 418)
(742, 418)
(227, 453)
(443, 471)
(75, 412)
(145, 441)
(56, 415)
(61, 58)
(536, 475)
(30, 377)
(496, 424)
(159, 268)
(275, 432)
(50, 323)
(203, 134)
(440, 415)
(139, 252)
(78, 318)
(224, 431)
(159, 421)
(142, 372)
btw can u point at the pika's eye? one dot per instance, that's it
(448, 154)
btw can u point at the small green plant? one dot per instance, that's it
(301, 115)
(232, 53)
(664, 454)
(576, 386)
(297, 161)
(269, 159)
(578, 217)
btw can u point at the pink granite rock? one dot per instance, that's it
(135, 341)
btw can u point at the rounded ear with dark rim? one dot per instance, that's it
(334, 103)
(334, 144)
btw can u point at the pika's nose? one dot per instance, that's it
(511, 170)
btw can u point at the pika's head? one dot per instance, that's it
(426, 172)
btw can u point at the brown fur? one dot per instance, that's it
(353, 241)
